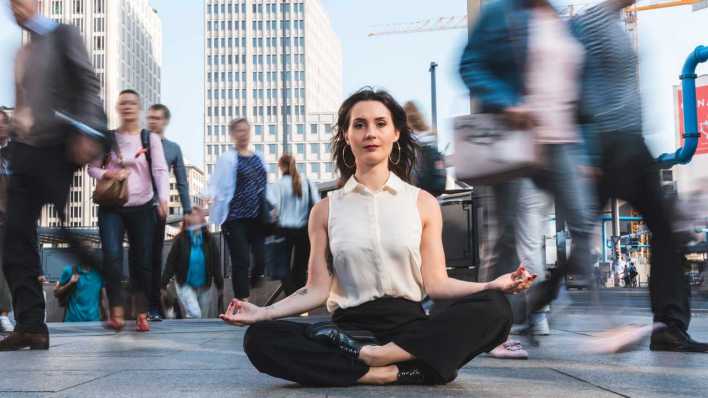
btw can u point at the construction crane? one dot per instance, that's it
(631, 21)
(460, 22)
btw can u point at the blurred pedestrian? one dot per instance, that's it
(523, 62)
(52, 73)
(136, 163)
(81, 291)
(237, 190)
(293, 196)
(159, 117)
(623, 167)
(194, 263)
(430, 172)
(5, 298)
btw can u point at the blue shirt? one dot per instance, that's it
(293, 211)
(84, 303)
(196, 275)
(252, 179)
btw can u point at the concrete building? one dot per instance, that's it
(279, 64)
(124, 42)
(196, 181)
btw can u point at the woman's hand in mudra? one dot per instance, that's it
(514, 282)
(242, 313)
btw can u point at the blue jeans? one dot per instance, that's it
(139, 223)
(574, 200)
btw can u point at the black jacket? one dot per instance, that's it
(178, 260)
(58, 75)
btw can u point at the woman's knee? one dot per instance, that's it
(257, 337)
(500, 306)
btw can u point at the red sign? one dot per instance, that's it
(702, 110)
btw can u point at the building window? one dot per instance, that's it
(315, 167)
(301, 129)
(328, 128)
(272, 149)
(313, 129)
(300, 149)
(328, 167)
(259, 130)
(272, 130)
(314, 151)
(57, 7)
(259, 148)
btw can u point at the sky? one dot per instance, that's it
(398, 63)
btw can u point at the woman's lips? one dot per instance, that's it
(371, 148)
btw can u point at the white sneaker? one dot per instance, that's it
(539, 324)
(6, 325)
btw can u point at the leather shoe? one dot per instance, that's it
(410, 375)
(154, 316)
(20, 340)
(329, 333)
(673, 338)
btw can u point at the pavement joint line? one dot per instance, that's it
(578, 333)
(88, 381)
(590, 383)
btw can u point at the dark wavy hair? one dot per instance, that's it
(406, 143)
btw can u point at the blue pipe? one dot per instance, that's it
(688, 77)
(623, 218)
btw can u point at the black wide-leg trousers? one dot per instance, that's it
(441, 343)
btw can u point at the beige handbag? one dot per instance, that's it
(488, 151)
(111, 192)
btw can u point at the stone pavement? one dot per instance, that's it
(205, 358)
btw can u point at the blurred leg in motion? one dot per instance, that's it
(534, 209)
(630, 172)
(574, 199)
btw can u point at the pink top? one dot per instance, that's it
(555, 58)
(139, 181)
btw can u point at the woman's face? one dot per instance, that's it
(128, 107)
(196, 217)
(371, 133)
(241, 135)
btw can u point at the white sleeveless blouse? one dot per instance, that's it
(375, 239)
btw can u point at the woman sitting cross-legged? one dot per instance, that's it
(376, 251)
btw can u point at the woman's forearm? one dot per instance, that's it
(303, 300)
(451, 288)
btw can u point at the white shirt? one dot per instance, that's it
(375, 239)
(554, 61)
(292, 211)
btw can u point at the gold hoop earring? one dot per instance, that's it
(344, 157)
(398, 160)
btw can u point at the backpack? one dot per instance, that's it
(145, 142)
(431, 172)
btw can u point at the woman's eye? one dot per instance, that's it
(381, 124)
(358, 125)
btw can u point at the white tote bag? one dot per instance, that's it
(487, 151)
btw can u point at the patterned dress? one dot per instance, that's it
(251, 180)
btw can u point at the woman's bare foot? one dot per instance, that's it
(380, 375)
